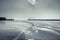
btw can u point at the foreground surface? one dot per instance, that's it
(10, 30)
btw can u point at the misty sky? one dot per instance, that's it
(22, 9)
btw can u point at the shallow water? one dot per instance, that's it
(40, 30)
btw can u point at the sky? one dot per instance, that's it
(24, 9)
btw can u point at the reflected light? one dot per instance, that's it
(32, 2)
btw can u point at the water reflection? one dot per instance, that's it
(25, 30)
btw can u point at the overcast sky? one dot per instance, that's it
(22, 9)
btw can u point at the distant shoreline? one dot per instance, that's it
(43, 19)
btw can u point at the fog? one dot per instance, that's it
(22, 9)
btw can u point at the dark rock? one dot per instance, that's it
(2, 18)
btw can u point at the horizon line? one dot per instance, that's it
(43, 19)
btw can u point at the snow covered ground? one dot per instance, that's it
(29, 30)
